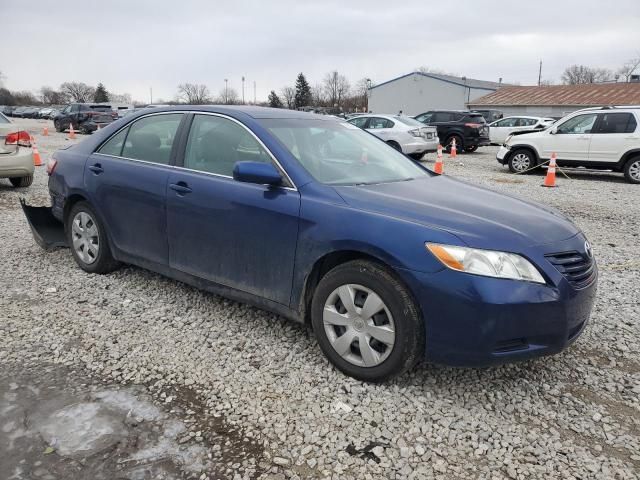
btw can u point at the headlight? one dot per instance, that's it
(486, 262)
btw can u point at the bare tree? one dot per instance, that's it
(626, 70)
(289, 95)
(77, 91)
(228, 96)
(336, 88)
(52, 97)
(193, 93)
(436, 71)
(122, 98)
(317, 95)
(546, 82)
(577, 74)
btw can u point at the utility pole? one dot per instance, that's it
(226, 91)
(254, 93)
(540, 74)
(243, 89)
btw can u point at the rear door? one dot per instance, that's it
(236, 234)
(571, 140)
(498, 131)
(614, 134)
(381, 128)
(127, 181)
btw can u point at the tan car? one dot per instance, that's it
(16, 156)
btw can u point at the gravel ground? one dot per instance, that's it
(259, 378)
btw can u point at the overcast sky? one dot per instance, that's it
(133, 45)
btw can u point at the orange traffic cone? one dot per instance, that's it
(550, 179)
(45, 131)
(439, 165)
(37, 161)
(454, 150)
(72, 134)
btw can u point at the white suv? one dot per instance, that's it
(605, 138)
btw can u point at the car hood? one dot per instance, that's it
(479, 217)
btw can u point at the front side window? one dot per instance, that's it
(617, 123)
(215, 144)
(338, 153)
(376, 122)
(359, 122)
(578, 125)
(507, 122)
(151, 138)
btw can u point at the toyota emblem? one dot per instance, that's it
(587, 248)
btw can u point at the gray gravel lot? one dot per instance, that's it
(268, 404)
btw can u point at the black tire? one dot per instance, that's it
(471, 148)
(395, 145)
(521, 160)
(58, 126)
(21, 182)
(103, 262)
(409, 343)
(417, 156)
(632, 170)
(459, 143)
(84, 130)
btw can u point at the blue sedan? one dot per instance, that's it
(323, 223)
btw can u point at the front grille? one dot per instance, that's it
(578, 268)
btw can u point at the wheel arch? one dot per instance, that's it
(530, 148)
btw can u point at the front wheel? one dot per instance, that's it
(632, 170)
(521, 161)
(366, 322)
(88, 241)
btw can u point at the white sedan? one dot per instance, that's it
(406, 134)
(501, 129)
(16, 156)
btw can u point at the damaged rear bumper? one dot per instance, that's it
(47, 231)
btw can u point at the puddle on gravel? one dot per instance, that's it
(54, 429)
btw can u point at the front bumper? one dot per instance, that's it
(16, 164)
(501, 156)
(475, 321)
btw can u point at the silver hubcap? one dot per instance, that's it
(85, 237)
(359, 325)
(521, 162)
(634, 170)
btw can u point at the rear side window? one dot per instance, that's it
(375, 123)
(151, 138)
(113, 146)
(359, 122)
(507, 122)
(215, 144)
(617, 123)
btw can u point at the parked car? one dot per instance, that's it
(598, 138)
(403, 133)
(16, 157)
(31, 112)
(490, 116)
(469, 130)
(85, 117)
(500, 130)
(45, 112)
(18, 111)
(387, 261)
(8, 110)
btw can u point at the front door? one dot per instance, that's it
(127, 181)
(571, 139)
(236, 234)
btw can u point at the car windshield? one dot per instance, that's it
(338, 153)
(412, 122)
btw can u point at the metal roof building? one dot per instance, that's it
(417, 92)
(557, 100)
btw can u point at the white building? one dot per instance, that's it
(418, 92)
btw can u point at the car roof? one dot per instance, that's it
(249, 110)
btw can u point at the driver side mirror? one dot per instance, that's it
(553, 130)
(257, 172)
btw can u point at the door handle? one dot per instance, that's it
(96, 168)
(181, 188)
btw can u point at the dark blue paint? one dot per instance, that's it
(260, 244)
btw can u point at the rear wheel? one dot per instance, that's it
(21, 182)
(459, 144)
(521, 160)
(632, 170)
(395, 145)
(366, 322)
(471, 148)
(88, 241)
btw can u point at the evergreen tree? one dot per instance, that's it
(101, 94)
(274, 100)
(303, 92)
